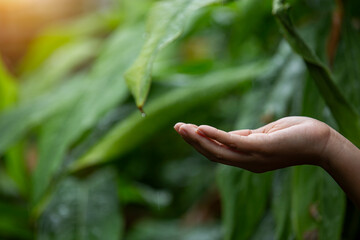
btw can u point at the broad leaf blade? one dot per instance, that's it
(318, 204)
(305, 215)
(103, 91)
(58, 67)
(15, 163)
(165, 23)
(17, 121)
(83, 209)
(281, 203)
(332, 208)
(245, 196)
(347, 61)
(344, 113)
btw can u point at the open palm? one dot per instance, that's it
(286, 142)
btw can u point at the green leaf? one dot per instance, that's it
(16, 167)
(314, 195)
(15, 122)
(244, 199)
(8, 88)
(281, 203)
(344, 113)
(347, 61)
(287, 88)
(164, 109)
(164, 230)
(103, 91)
(14, 221)
(83, 209)
(332, 217)
(265, 231)
(59, 35)
(305, 214)
(57, 67)
(165, 23)
(15, 163)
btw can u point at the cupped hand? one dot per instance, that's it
(287, 142)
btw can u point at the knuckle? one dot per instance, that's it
(232, 142)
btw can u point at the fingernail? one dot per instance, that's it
(177, 126)
(183, 131)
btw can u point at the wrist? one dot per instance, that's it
(329, 150)
(337, 149)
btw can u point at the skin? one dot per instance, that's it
(287, 142)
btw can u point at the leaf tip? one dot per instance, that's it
(143, 114)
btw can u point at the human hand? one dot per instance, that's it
(287, 142)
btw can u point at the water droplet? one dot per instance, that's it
(143, 114)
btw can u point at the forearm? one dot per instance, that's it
(342, 162)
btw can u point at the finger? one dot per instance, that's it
(247, 132)
(178, 125)
(212, 150)
(185, 134)
(255, 142)
(228, 139)
(218, 152)
(243, 132)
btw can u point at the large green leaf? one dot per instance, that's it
(245, 196)
(83, 209)
(165, 23)
(347, 61)
(15, 163)
(281, 203)
(103, 91)
(305, 214)
(15, 122)
(344, 113)
(332, 208)
(164, 109)
(57, 67)
(318, 204)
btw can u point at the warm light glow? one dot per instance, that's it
(22, 20)
(17, 3)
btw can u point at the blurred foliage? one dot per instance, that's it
(8, 88)
(79, 161)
